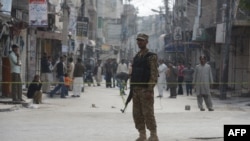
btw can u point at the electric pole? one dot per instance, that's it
(225, 63)
(65, 8)
(82, 15)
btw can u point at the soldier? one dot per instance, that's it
(143, 79)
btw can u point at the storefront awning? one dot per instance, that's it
(192, 44)
(180, 47)
(107, 56)
(174, 48)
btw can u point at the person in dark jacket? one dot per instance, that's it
(45, 71)
(34, 90)
(78, 78)
(88, 74)
(172, 77)
(108, 73)
(60, 69)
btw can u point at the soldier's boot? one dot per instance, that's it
(153, 136)
(142, 136)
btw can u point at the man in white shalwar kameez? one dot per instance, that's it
(202, 79)
(161, 82)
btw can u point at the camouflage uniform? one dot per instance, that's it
(143, 99)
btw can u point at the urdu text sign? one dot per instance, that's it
(82, 26)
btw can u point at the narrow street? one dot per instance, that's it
(198, 42)
(96, 116)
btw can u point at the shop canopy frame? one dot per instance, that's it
(181, 46)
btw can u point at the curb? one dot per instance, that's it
(17, 105)
(13, 108)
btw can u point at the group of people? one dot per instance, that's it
(200, 78)
(67, 77)
(172, 77)
(117, 75)
(144, 73)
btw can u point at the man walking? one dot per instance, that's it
(60, 69)
(122, 68)
(143, 79)
(161, 82)
(202, 79)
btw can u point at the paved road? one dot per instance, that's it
(96, 116)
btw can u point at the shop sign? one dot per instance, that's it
(48, 35)
(38, 13)
(82, 26)
(5, 6)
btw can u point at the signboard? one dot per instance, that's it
(38, 13)
(195, 28)
(105, 47)
(48, 35)
(220, 33)
(64, 48)
(6, 6)
(114, 34)
(72, 20)
(82, 26)
(177, 33)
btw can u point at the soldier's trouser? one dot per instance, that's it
(16, 87)
(207, 99)
(143, 110)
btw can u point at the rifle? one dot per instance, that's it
(130, 96)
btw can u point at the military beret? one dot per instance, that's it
(142, 36)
